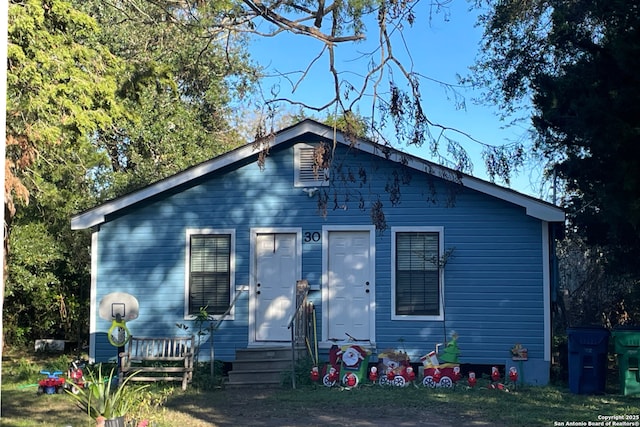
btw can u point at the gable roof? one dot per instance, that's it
(534, 207)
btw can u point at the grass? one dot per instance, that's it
(167, 406)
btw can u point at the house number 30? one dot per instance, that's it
(311, 237)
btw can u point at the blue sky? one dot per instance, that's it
(442, 45)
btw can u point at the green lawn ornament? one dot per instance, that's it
(451, 351)
(442, 369)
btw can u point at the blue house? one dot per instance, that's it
(398, 251)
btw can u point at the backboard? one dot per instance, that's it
(119, 304)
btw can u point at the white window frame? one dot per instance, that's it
(298, 164)
(187, 269)
(394, 231)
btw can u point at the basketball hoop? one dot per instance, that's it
(118, 333)
(119, 307)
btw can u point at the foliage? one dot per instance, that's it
(60, 86)
(99, 102)
(202, 379)
(151, 405)
(578, 62)
(302, 373)
(100, 398)
(352, 124)
(24, 370)
(203, 324)
(61, 89)
(180, 78)
(383, 78)
(590, 293)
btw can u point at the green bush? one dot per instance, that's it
(302, 373)
(202, 379)
(101, 397)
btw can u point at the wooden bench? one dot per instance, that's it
(158, 359)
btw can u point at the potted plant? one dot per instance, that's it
(103, 401)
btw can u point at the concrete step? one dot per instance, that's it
(256, 377)
(261, 367)
(266, 364)
(262, 354)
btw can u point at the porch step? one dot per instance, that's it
(261, 367)
(262, 354)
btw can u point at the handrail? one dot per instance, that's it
(226, 313)
(295, 314)
(216, 326)
(302, 291)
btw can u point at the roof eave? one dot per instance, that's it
(96, 216)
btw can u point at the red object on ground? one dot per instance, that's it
(472, 379)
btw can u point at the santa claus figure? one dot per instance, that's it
(351, 380)
(495, 374)
(472, 379)
(352, 356)
(411, 375)
(456, 374)
(373, 375)
(315, 374)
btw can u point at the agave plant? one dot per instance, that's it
(100, 398)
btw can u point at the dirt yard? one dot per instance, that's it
(259, 407)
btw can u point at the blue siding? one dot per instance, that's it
(493, 282)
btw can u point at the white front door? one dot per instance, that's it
(275, 283)
(349, 293)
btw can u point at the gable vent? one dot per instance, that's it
(305, 175)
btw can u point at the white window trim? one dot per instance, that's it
(394, 230)
(232, 268)
(297, 165)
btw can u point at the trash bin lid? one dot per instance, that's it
(587, 335)
(625, 336)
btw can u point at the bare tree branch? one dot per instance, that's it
(400, 104)
(269, 14)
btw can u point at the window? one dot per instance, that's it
(210, 271)
(417, 276)
(311, 165)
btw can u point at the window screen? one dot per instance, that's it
(417, 274)
(209, 273)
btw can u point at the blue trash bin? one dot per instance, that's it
(588, 347)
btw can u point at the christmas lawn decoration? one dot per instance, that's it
(347, 365)
(442, 370)
(394, 369)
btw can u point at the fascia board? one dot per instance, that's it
(534, 208)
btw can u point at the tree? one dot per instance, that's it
(592, 293)
(577, 62)
(60, 90)
(60, 86)
(96, 108)
(387, 82)
(181, 79)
